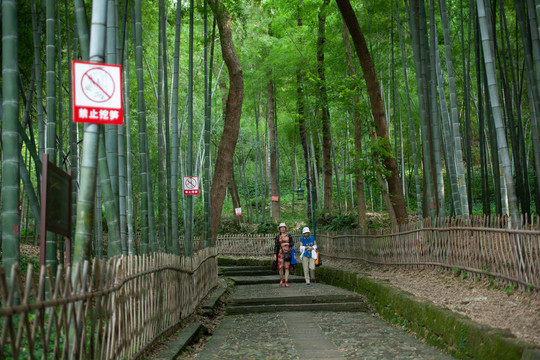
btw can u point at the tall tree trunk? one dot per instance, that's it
(233, 112)
(322, 109)
(87, 191)
(412, 131)
(531, 47)
(417, 25)
(258, 169)
(434, 120)
(303, 131)
(50, 133)
(141, 121)
(207, 133)
(454, 116)
(358, 176)
(129, 174)
(162, 93)
(377, 108)
(114, 246)
(188, 219)
(174, 140)
(10, 136)
(489, 54)
(273, 152)
(111, 131)
(466, 62)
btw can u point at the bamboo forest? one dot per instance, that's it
(271, 110)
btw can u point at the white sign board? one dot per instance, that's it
(97, 93)
(238, 211)
(190, 184)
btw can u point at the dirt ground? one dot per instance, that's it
(482, 301)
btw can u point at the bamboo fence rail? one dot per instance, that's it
(110, 309)
(489, 247)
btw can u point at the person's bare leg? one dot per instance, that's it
(281, 276)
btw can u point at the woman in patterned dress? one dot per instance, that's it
(283, 244)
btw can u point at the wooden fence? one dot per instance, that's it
(245, 244)
(101, 310)
(489, 247)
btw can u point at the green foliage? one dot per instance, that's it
(400, 321)
(266, 227)
(27, 261)
(333, 222)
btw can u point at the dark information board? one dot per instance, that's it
(58, 215)
(55, 205)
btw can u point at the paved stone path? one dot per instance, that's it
(306, 335)
(311, 334)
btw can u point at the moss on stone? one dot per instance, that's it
(440, 327)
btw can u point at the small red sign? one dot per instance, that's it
(191, 185)
(275, 198)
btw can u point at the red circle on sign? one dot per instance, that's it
(97, 85)
(191, 183)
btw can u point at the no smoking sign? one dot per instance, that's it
(97, 93)
(190, 185)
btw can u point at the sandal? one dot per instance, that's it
(281, 283)
(286, 284)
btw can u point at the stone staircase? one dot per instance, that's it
(257, 291)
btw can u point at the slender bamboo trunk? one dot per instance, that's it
(174, 133)
(161, 218)
(114, 246)
(86, 199)
(10, 137)
(272, 136)
(111, 131)
(141, 121)
(50, 131)
(129, 172)
(188, 220)
(454, 117)
(414, 24)
(487, 48)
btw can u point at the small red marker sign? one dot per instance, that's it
(191, 185)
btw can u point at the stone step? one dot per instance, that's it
(296, 299)
(265, 279)
(341, 306)
(226, 270)
(262, 272)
